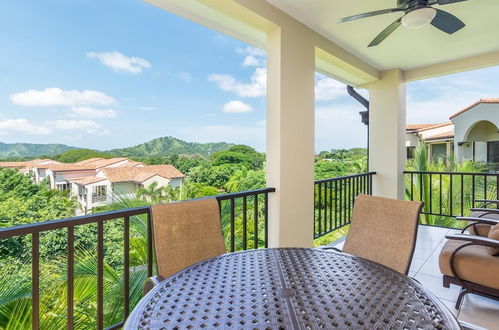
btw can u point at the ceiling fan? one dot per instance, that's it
(417, 13)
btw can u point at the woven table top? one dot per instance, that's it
(289, 289)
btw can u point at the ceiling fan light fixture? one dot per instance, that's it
(419, 17)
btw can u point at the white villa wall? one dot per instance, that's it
(435, 131)
(468, 129)
(161, 181)
(176, 182)
(124, 189)
(62, 177)
(411, 139)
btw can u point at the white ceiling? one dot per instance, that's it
(406, 49)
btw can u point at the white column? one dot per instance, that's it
(290, 138)
(387, 134)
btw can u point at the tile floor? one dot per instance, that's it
(481, 312)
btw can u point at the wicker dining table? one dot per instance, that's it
(289, 288)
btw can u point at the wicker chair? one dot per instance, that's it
(384, 230)
(185, 233)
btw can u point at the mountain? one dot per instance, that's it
(167, 146)
(30, 150)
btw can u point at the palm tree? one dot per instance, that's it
(151, 193)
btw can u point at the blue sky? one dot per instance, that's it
(115, 73)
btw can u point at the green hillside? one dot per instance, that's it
(168, 146)
(29, 150)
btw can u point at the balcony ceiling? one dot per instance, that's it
(406, 49)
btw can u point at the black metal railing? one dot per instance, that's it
(334, 199)
(244, 222)
(449, 194)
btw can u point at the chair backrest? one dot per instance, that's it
(186, 233)
(384, 230)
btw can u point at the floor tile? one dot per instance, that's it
(434, 284)
(430, 244)
(421, 253)
(430, 267)
(416, 264)
(450, 306)
(480, 311)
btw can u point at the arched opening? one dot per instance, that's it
(481, 142)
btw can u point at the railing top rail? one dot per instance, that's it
(344, 177)
(452, 173)
(69, 222)
(244, 193)
(31, 228)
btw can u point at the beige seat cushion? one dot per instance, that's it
(481, 229)
(494, 234)
(472, 263)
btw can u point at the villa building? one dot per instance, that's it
(111, 184)
(98, 181)
(471, 133)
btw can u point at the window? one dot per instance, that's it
(61, 186)
(81, 190)
(410, 152)
(99, 191)
(493, 152)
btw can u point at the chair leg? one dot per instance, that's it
(460, 298)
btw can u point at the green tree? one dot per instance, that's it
(73, 156)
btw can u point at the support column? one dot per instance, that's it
(387, 134)
(290, 137)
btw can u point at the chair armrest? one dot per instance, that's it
(476, 240)
(480, 209)
(151, 282)
(329, 248)
(487, 201)
(479, 220)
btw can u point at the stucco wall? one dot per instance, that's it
(470, 126)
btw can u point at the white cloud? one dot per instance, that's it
(254, 56)
(87, 126)
(22, 125)
(148, 108)
(327, 89)
(120, 62)
(237, 107)
(59, 97)
(435, 100)
(89, 112)
(256, 88)
(185, 77)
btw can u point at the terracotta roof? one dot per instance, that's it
(415, 127)
(88, 161)
(489, 101)
(13, 164)
(100, 162)
(27, 164)
(87, 180)
(69, 167)
(440, 136)
(447, 123)
(140, 174)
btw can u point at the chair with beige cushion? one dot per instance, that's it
(472, 262)
(488, 210)
(384, 230)
(185, 233)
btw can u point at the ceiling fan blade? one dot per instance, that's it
(369, 14)
(386, 32)
(447, 2)
(447, 22)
